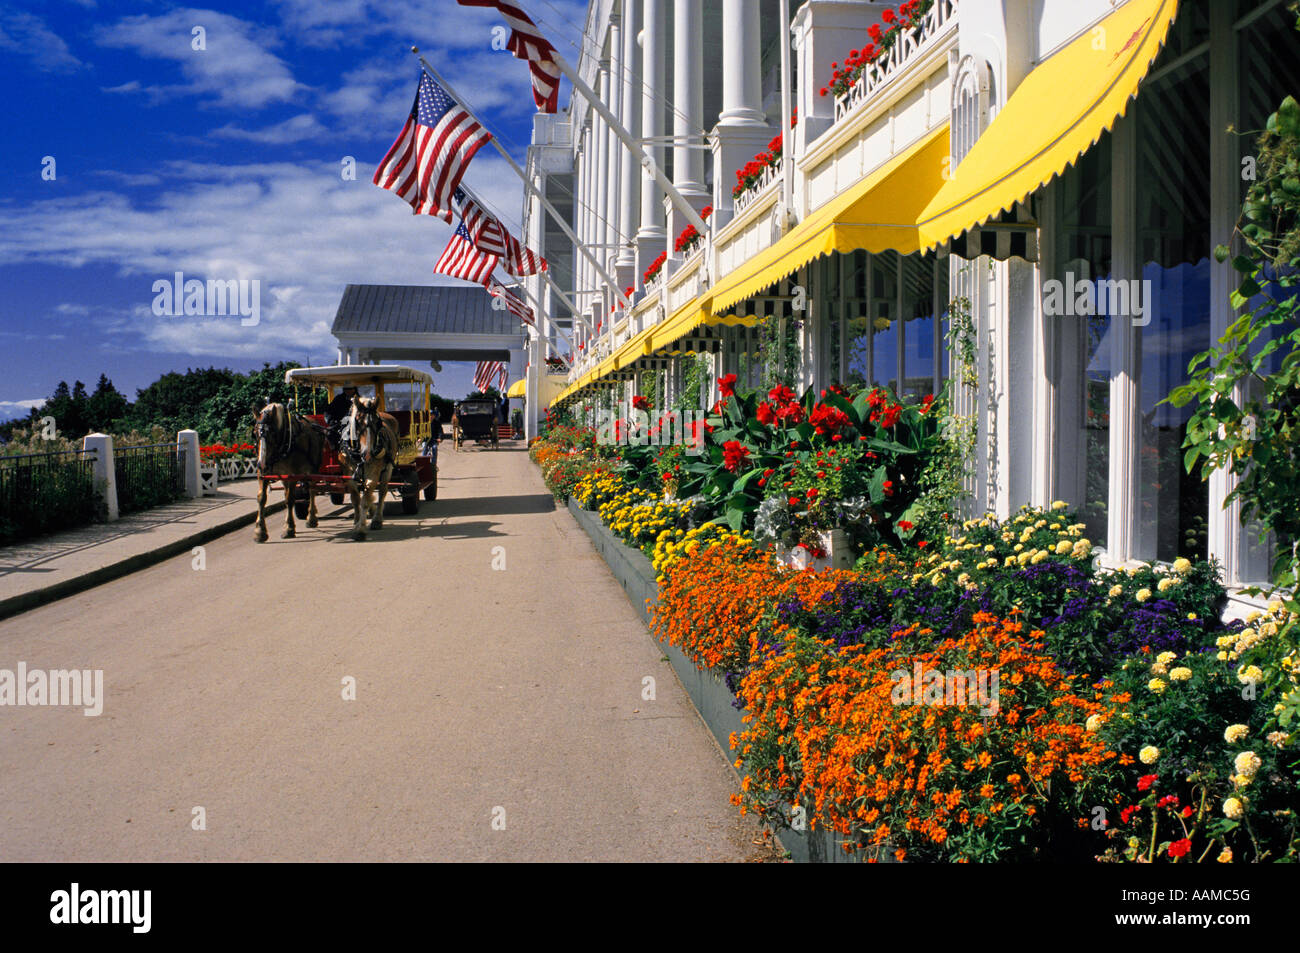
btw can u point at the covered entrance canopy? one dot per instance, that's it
(411, 324)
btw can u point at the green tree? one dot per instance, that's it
(175, 401)
(1247, 389)
(106, 406)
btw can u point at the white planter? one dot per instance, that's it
(839, 554)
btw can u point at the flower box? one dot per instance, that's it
(835, 546)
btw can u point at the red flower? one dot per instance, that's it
(890, 415)
(874, 32)
(641, 403)
(766, 415)
(926, 402)
(1179, 848)
(1187, 811)
(791, 414)
(889, 487)
(727, 385)
(1146, 781)
(794, 501)
(922, 544)
(887, 16)
(904, 525)
(734, 454)
(781, 394)
(812, 493)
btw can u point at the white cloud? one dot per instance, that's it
(25, 35)
(11, 409)
(295, 129)
(235, 68)
(300, 229)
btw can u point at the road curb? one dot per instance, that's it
(25, 601)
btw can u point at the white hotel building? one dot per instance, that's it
(1001, 145)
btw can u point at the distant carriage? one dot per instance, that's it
(476, 420)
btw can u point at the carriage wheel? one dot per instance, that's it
(301, 503)
(411, 493)
(431, 491)
(336, 499)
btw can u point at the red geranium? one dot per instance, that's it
(766, 415)
(781, 394)
(1146, 781)
(727, 385)
(1179, 848)
(641, 403)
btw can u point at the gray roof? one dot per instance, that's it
(415, 309)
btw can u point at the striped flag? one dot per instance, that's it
(489, 372)
(425, 164)
(461, 259)
(512, 303)
(487, 232)
(527, 43)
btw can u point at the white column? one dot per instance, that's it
(104, 471)
(187, 447)
(613, 94)
(580, 211)
(688, 111)
(629, 182)
(742, 131)
(652, 236)
(600, 189)
(742, 92)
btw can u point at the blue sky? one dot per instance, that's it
(224, 163)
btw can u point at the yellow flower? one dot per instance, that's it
(1180, 674)
(1234, 733)
(1143, 595)
(1094, 722)
(1164, 658)
(1225, 856)
(1157, 686)
(1167, 583)
(1232, 808)
(1116, 591)
(1063, 547)
(1182, 565)
(1249, 673)
(1247, 763)
(1059, 504)
(1149, 754)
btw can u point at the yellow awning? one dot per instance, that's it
(877, 214)
(516, 389)
(1056, 113)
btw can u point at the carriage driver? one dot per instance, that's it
(338, 410)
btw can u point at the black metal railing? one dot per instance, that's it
(46, 492)
(147, 476)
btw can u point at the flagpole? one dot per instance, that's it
(564, 298)
(528, 185)
(537, 310)
(647, 161)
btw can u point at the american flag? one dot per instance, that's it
(425, 164)
(461, 259)
(487, 232)
(489, 372)
(527, 43)
(512, 303)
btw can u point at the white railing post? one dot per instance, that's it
(101, 444)
(187, 446)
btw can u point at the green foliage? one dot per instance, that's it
(176, 401)
(45, 496)
(1247, 388)
(226, 415)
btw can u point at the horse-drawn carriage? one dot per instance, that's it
(379, 448)
(476, 420)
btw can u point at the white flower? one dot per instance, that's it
(1149, 754)
(1094, 722)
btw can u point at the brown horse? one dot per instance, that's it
(376, 436)
(286, 444)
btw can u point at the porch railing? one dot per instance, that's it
(937, 20)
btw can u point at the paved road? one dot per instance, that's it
(482, 695)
